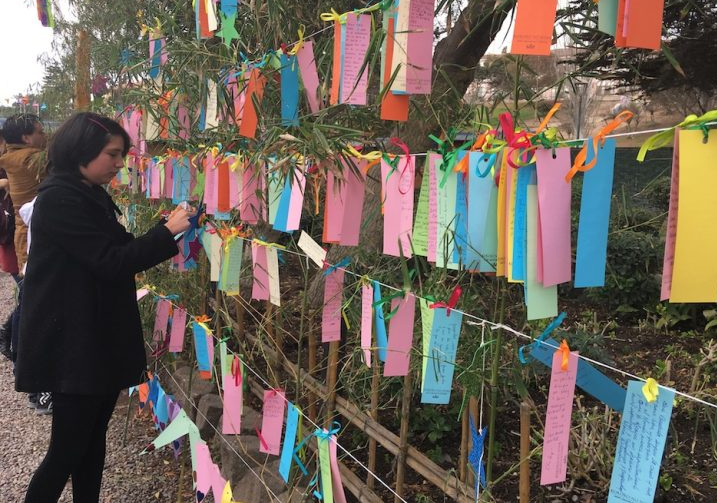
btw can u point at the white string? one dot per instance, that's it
(179, 387)
(479, 321)
(269, 386)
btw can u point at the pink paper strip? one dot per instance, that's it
(272, 422)
(253, 204)
(554, 203)
(366, 322)
(557, 420)
(141, 293)
(218, 483)
(334, 209)
(161, 320)
(184, 121)
(168, 178)
(296, 202)
(234, 181)
(420, 47)
(260, 287)
(352, 192)
(331, 315)
(211, 185)
(539, 251)
(669, 259)
(354, 83)
(433, 160)
(179, 324)
(337, 484)
(155, 182)
(400, 336)
(398, 206)
(204, 468)
(233, 399)
(309, 75)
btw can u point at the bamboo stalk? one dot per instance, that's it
(403, 438)
(374, 415)
(312, 370)
(524, 488)
(331, 375)
(494, 387)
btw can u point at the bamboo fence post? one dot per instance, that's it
(524, 488)
(239, 318)
(465, 436)
(372, 444)
(82, 81)
(331, 374)
(403, 437)
(474, 413)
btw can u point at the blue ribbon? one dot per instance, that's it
(476, 455)
(553, 325)
(343, 263)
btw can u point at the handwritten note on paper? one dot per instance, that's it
(210, 185)
(554, 198)
(400, 336)
(694, 275)
(231, 266)
(399, 51)
(640, 444)
(252, 207)
(312, 249)
(534, 22)
(479, 189)
(366, 322)
(446, 216)
(161, 320)
(201, 347)
(327, 493)
(309, 75)
(441, 356)
(272, 262)
(260, 286)
(337, 483)
(356, 33)
(420, 223)
(272, 422)
(558, 419)
(179, 324)
(331, 314)
(287, 449)
(595, 202)
(352, 193)
(419, 47)
(426, 327)
(289, 91)
(434, 160)
(525, 176)
(398, 206)
(669, 258)
(643, 23)
(233, 402)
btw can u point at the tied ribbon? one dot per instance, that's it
(202, 321)
(327, 434)
(598, 139)
(548, 330)
(564, 349)
(334, 16)
(342, 264)
(299, 43)
(476, 455)
(394, 161)
(651, 390)
(448, 152)
(261, 438)
(515, 142)
(373, 157)
(236, 370)
(665, 137)
(267, 244)
(387, 300)
(452, 301)
(341, 18)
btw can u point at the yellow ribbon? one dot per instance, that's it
(299, 43)
(237, 162)
(267, 244)
(664, 138)
(334, 16)
(651, 390)
(579, 164)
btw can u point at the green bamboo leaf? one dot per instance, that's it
(671, 58)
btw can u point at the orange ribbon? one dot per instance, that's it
(202, 319)
(565, 350)
(598, 139)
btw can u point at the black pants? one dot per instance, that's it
(77, 449)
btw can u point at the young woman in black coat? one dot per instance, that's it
(80, 332)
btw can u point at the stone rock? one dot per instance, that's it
(295, 495)
(199, 388)
(258, 488)
(210, 413)
(250, 419)
(247, 447)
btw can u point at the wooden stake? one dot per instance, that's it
(465, 437)
(312, 373)
(474, 413)
(403, 436)
(524, 453)
(370, 481)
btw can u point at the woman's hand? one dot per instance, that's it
(178, 220)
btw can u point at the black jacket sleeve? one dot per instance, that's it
(62, 219)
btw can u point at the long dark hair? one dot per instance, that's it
(80, 139)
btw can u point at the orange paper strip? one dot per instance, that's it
(644, 23)
(534, 23)
(250, 119)
(394, 107)
(223, 187)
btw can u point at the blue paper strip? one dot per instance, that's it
(441, 356)
(287, 449)
(200, 347)
(160, 409)
(182, 180)
(156, 62)
(525, 175)
(590, 379)
(479, 189)
(643, 431)
(595, 218)
(282, 211)
(289, 91)
(380, 323)
(229, 7)
(460, 251)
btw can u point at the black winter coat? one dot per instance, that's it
(80, 330)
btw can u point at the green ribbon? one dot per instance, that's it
(666, 137)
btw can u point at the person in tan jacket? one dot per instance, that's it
(26, 166)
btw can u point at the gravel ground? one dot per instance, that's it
(24, 437)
